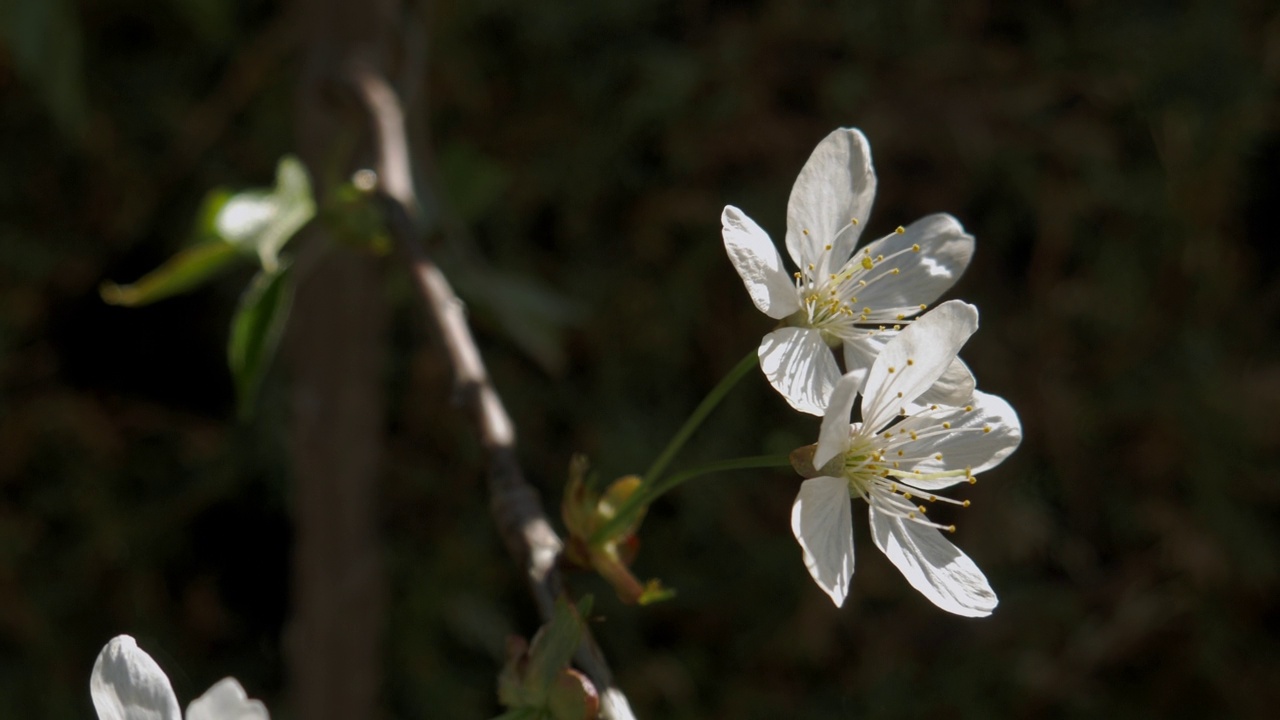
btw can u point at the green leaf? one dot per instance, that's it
(178, 274)
(554, 645)
(255, 332)
(261, 222)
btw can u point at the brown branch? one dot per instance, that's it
(514, 503)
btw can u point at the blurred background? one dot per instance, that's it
(1117, 162)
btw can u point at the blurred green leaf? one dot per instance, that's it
(178, 274)
(45, 40)
(537, 682)
(261, 222)
(556, 642)
(256, 330)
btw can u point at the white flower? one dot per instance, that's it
(902, 453)
(838, 297)
(127, 684)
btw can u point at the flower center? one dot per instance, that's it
(829, 300)
(877, 469)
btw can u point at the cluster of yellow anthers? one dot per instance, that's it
(830, 303)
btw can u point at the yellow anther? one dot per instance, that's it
(899, 453)
(964, 504)
(946, 426)
(906, 495)
(887, 435)
(913, 434)
(866, 262)
(892, 369)
(879, 258)
(951, 528)
(899, 394)
(894, 271)
(910, 361)
(805, 231)
(797, 274)
(986, 429)
(893, 487)
(901, 316)
(897, 327)
(933, 407)
(900, 230)
(827, 247)
(933, 498)
(911, 516)
(853, 221)
(973, 480)
(862, 283)
(915, 248)
(923, 306)
(968, 408)
(938, 456)
(923, 511)
(810, 267)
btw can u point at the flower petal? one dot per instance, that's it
(126, 684)
(759, 264)
(935, 567)
(860, 353)
(833, 438)
(823, 523)
(799, 365)
(836, 185)
(978, 439)
(226, 700)
(955, 387)
(945, 251)
(913, 360)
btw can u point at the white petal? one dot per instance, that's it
(226, 700)
(127, 684)
(861, 352)
(799, 365)
(823, 523)
(758, 262)
(955, 387)
(978, 439)
(836, 185)
(913, 360)
(945, 251)
(933, 566)
(833, 438)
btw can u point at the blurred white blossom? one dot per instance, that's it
(127, 684)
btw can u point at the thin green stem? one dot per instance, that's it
(648, 493)
(699, 414)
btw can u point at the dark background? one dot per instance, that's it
(1119, 164)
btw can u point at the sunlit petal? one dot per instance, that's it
(836, 186)
(823, 524)
(757, 261)
(933, 566)
(915, 359)
(800, 366)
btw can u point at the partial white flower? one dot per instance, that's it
(839, 297)
(897, 459)
(127, 684)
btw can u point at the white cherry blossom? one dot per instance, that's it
(839, 297)
(898, 459)
(127, 684)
